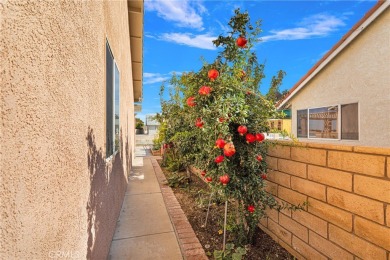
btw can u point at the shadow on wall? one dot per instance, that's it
(107, 189)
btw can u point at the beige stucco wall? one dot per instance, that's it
(360, 73)
(59, 195)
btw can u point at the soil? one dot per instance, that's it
(194, 200)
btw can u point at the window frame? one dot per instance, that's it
(307, 122)
(338, 124)
(111, 150)
(358, 111)
(116, 149)
(339, 119)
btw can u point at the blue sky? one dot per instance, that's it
(295, 35)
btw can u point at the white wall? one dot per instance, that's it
(360, 73)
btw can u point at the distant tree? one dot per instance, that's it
(139, 124)
(274, 94)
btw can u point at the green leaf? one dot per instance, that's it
(241, 250)
(229, 246)
(236, 256)
(218, 254)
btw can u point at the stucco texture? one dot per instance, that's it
(359, 74)
(59, 194)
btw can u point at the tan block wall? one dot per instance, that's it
(59, 195)
(348, 193)
(359, 73)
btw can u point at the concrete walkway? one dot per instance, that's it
(144, 229)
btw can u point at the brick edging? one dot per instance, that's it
(189, 244)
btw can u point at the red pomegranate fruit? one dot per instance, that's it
(209, 179)
(191, 102)
(204, 91)
(213, 74)
(250, 138)
(199, 123)
(241, 41)
(264, 176)
(242, 129)
(251, 208)
(220, 143)
(219, 159)
(203, 173)
(259, 157)
(229, 149)
(260, 137)
(224, 179)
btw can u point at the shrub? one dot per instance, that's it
(222, 101)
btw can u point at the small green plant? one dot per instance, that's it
(231, 222)
(230, 253)
(282, 132)
(171, 163)
(160, 137)
(156, 145)
(178, 180)
(292, 207)
(202, 198)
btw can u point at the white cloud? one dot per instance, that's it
(319, 25)
(177, 73)
(149, 35)
(151, 78)
(224, 28)
(202, 41)
(184, 13)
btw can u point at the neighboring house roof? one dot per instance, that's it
(150, 121)
(369, 17)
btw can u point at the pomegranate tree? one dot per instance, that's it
(230, 115)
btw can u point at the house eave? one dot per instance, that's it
(136, 27)
(337, 48)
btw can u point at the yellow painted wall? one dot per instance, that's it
(286, 125)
